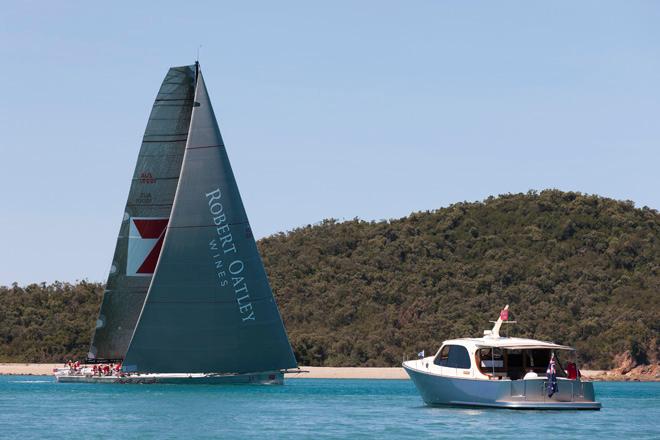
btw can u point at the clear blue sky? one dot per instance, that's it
(343, 109)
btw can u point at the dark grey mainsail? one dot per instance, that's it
(209, 308)
(146, 214)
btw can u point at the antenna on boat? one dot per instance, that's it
(503, 319)
(197, 63)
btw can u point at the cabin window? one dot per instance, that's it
(491, 360)
(458, 357)
(515, 359)
(454, 356)
(516, 363)
(537, 360)
(442, 357)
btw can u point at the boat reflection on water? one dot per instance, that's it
(502, 372)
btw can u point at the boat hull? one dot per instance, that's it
(513, 394)
(263, 378)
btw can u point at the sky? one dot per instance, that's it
(342, 109)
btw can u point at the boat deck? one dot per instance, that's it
(264, 378)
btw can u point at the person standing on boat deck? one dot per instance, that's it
(552, 376)
(571, 371)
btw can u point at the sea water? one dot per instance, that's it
(37, 407)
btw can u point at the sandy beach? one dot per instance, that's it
(316, 372)
(309, 372)
(28, 369)
(350, 373)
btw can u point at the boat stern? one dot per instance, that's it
(532, 394)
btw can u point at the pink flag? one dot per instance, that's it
(504, 315)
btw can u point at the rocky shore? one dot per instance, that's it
(640, 373)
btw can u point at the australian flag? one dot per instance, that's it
(552, 377)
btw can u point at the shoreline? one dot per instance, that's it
(386, 373)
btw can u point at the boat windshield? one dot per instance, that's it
(454, 356)
(528, 363)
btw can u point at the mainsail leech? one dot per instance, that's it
(209, 308)
(149, 204)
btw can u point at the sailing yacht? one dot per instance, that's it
(502, 372)
(187, 298)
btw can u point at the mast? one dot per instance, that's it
(145, 216)
(209, 308)
(502, 319)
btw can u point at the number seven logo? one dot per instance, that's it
(145, 240)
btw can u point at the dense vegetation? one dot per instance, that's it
(47, 323)
(576, 269)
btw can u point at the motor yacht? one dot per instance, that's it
(502, 372)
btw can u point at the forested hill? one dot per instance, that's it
(580, 270)
(576, 269)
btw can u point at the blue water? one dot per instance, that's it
(37, 407)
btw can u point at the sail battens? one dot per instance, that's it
(161, 141)
(156, 205)
(154, 138)
(209, 307)
(214, 226)
(156, 179)
(163, 130)
(206, 146)
(166, 134)
(161, 105)
(172, 156)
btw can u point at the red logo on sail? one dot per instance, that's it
(145, 241)
(147, 177)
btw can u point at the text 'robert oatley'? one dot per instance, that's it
(227, 246)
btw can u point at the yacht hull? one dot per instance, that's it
(513, 394)
(263, 378)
